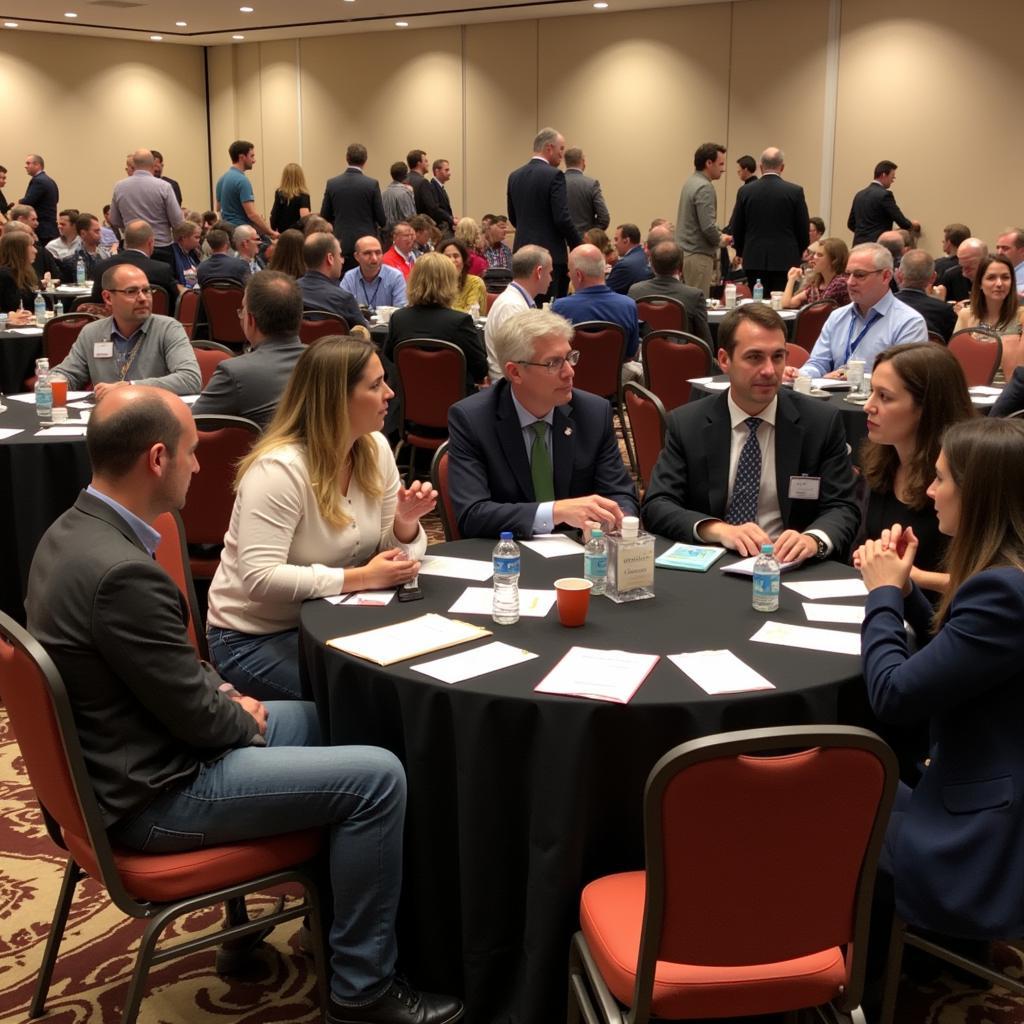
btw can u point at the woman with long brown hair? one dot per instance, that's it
(18, 280)
(287, 256)
(826, 280)
(994, 303)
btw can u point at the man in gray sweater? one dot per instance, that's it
(134, 346)
(698, 235)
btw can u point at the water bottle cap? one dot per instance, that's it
(767, 549)
(630, 526)
(506, 534)
(598, 534)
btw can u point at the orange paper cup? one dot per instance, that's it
(573, 596)
(59, 386)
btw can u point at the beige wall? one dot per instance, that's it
(637, 91)
(84, 104)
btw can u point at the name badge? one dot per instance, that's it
(806, 488)
(103, 349)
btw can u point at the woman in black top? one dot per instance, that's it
(291, 200)
(18, 280)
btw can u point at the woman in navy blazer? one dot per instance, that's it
(954, 843)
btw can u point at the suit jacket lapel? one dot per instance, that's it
(788, 445)
(718, 439)
(563, 448)
(511, 437)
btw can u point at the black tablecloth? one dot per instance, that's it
(518, 799)
(40, 478)
(18, 355)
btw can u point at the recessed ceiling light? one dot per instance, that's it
(238, 37)
(246, 10)
(10, 24)
(70, 14)
(157, 39)
(601, 5)
(401, 24)
(181, 24)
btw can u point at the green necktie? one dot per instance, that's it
(540, 464)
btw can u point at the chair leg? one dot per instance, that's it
(72, 873)
(892, 970)
(320, 962)
(147, 943)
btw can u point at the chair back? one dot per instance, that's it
(445, 508)
(646, 428)
(809, 322)
(60, 333)
(40, 713)
(186, 309)
(662, 313)
(762, 846)
(602, 348)
(172, 554)
(223, 442)
(796, 355)
(743, 290)
(432, 377)
(222, 300)
(319, 323)
(979, 351)
(938, 338)
(670, 359)
(161, 303)
(209, 355)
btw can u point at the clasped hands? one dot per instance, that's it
(747, 538)
(888, 561)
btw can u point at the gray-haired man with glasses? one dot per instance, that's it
(134, 345)
(530, 453)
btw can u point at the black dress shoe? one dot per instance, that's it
(400, 1004)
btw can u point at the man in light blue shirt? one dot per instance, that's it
(235, 198)
(374, 283)
(874, 320)
(1011, 245)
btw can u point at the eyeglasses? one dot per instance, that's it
(554, 365)
(134, 292)
(859, 275)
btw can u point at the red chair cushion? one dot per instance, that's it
(611, 916)
(166, 877)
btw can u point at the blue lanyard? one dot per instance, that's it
(370, 303)
(530, 302)
(851, 348)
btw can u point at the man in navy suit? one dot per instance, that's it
(874, 208)
(770, 224)
(538, 207)
(43, 196)
(631, 266)
(352, 203)
(530, 453)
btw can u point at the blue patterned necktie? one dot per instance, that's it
(743, 507)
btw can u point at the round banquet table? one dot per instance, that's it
(19, 350)
(40, 478)
(518, 799)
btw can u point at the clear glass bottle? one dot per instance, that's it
(505, 602)
(595, 562)
(630, 563)
(44, 391)
(766, 580)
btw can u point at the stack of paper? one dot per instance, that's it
(601, 675)
(410, 639)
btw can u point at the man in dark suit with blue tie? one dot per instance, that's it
(529, 453)
(538, 207)
(352, 203)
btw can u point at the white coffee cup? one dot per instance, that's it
(777, 300)
(855, 373)
(802, 384)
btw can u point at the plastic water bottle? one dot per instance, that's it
(190, 277)
(44, 391)
(766, 580)
(505, 559)
(80, 272)
(730, 296)
(39, 307)
(758, 292)
(58, 308)
(595, 562)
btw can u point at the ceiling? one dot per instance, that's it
(213, 22)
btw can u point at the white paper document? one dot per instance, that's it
(410, 639)
(7, 432)
(29, 397)
(29, 332)
(364, 598)
(552, 545)
(480, 600)
(457, 568)
(817, 590)
(832, 641)
(69, 430)
(701, 380)
(477, 662)
(81, 405)
(830, 384)
(717, 672)
(601, 675)
(745, 567)
(851, 613)
(983, 400)
(189, 399)
(985, 389)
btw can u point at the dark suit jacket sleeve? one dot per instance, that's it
(477, 514)
(697, 320)
(35, 191)
(151, 653)
(851, 221)
(219, 397)
(665, 509)
(893, 211)
(327, 206)
(1012, 397)
(738, 224)
(560, 212)
(802, 223)
(510, 205)
(380, 218)
(427, 202)
(469, 341)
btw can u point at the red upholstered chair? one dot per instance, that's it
(489, 298)
(439, 479)
(796, 355)
(186, 309)
(809, 322)
(210, 355)
(223, 442)
(319, 323)
(172, 554)
(662, 313)
(222, 300)
(602, 348)
(741, 912)
(743, 290)
(646, 429)
(156, 888)
(432, 378)
(671, 358)
(161, 304)
(60, 333)
(979, 351)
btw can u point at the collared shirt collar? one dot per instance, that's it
(526, 418)
(148, 537)
(882, 306)
(129, 339)
(738, 416)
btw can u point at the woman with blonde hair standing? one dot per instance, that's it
(291, 199)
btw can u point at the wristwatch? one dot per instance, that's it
(822, 553)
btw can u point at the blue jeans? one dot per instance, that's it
(293, 783)
(264, 666)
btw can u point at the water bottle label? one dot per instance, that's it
(766, 584)
(506, 566)
(595, 565)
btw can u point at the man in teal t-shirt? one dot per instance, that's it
(235, 198)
